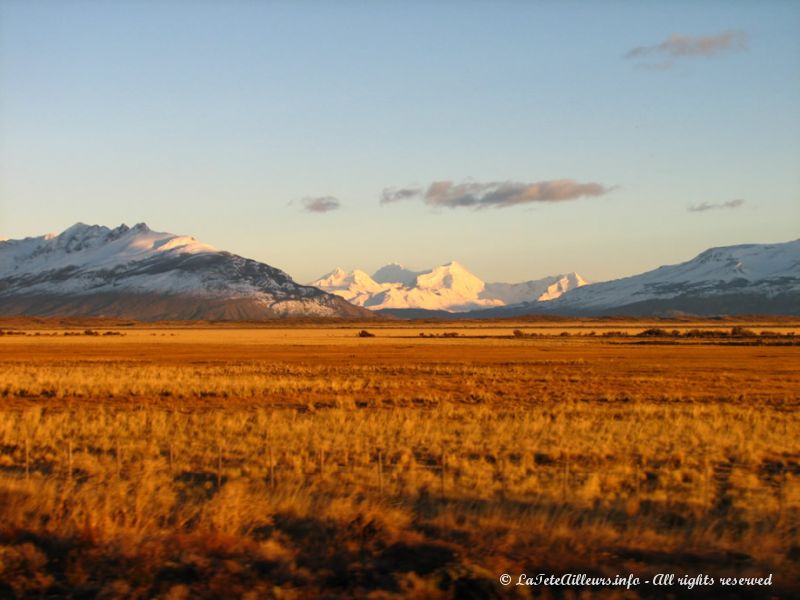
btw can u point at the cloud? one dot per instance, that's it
(322, 204)
(497, 194)
(390, 195)
(730, 204)
(688, 46)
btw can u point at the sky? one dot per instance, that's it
(522, 139)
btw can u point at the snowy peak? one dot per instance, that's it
(746, 272)
(84, 245)
(450, 287)
(335, 279)
(339, 279)
(354, 286)
(452, 276)
(140, 273)
(79, 237)
(748, 261)
(561, 285)
(537, 290)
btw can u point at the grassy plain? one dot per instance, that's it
(300, 462)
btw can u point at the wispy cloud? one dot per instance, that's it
(679, 46)
(322, 204)
(390, 195)
(496, 194)
(730, 204)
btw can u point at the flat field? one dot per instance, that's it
(304, 461)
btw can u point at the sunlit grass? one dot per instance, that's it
(222, 474)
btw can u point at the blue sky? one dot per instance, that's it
(222, 119)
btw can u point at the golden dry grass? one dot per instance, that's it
(299, 462)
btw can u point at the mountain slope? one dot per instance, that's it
(539, 290)
(90, 270)
(356, 287)
(450, 287)
(748, 278)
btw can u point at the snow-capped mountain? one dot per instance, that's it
(744, 279)
(356, 286)
(134, 272)
(450, 287)
(539, 290)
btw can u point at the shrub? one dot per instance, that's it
(739, 331)
(654, 332)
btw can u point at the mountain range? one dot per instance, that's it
(450, 287)
(134, 272)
